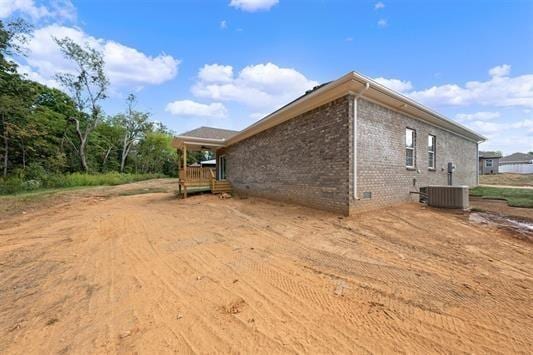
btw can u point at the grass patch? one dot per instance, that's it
(514, 197)
(151, 190)
(47, 183)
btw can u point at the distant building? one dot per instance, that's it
(489, 162)
(519, 163)
(209, 163)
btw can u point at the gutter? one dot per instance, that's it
(383, 89)
(339, 88)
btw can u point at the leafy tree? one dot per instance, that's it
(12, 91)
(135, 124)
(156, 154)
(87, 87)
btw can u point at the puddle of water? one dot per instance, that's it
(522, 227)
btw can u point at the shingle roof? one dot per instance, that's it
(517, 157)
(210, 133)
(489, 155)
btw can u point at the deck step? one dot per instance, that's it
(221, 187)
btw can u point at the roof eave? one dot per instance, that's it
(442, 121)
(353, 83)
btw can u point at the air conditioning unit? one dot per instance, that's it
(444, 196)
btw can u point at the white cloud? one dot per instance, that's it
(195, 109)
(491, 128)
(379, 5)
(223, 24)
(487, 128)
(253, 5)
(58, 9)
(216, 73)
(501, 90)
(382, 23)
(263, 86)
(526, 124)
(500, 70)
(257, 115)
(395, 84)
(477, 116)
(27, 72)
(124, 66)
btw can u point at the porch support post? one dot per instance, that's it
(185, 160)
(185, 170)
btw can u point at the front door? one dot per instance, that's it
(222, 167)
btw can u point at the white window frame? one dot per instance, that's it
(432, 152)
(413, 148)
(487, 163)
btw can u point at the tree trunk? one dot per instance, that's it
(6, 152)
(23, 157)
(6, 146)
(83, 142)
(105, 158)
(124, 153)
(83, 159)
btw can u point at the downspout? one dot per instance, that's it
(367, 86)
(477, 164)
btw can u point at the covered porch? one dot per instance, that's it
(198, 178)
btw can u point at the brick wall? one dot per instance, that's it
(304, 160)
(381, 157)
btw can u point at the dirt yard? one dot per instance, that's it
(118, 270)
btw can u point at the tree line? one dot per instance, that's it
(45, 131)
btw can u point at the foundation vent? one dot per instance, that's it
(448, 196)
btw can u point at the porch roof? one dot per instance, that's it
(203, 138)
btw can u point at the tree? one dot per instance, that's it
(135, 125)
(13, 35)
(12, 91)
(155, 154)
(87, 87)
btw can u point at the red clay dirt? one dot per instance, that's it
(152, 274)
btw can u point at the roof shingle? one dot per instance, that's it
(210, 133)
(517, 158)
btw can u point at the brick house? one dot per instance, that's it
(345, 146)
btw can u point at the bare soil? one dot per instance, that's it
(501, 207)
(147, 273)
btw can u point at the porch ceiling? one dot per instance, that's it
(197, 144)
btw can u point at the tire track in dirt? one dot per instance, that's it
(148, 274)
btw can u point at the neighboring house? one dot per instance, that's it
(488, 162)
(349, 145)
(209, 163)
(520, 163)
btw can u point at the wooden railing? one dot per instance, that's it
(213, 178)
(196, 175)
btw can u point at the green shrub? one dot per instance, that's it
(11, 185)
(16, 184)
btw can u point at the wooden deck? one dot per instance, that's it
(196, 179)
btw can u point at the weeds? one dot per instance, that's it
(16, 185)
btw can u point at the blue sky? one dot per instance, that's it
(226, 63)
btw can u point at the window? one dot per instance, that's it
(431, 152)
(488, 163)
(410, 144)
